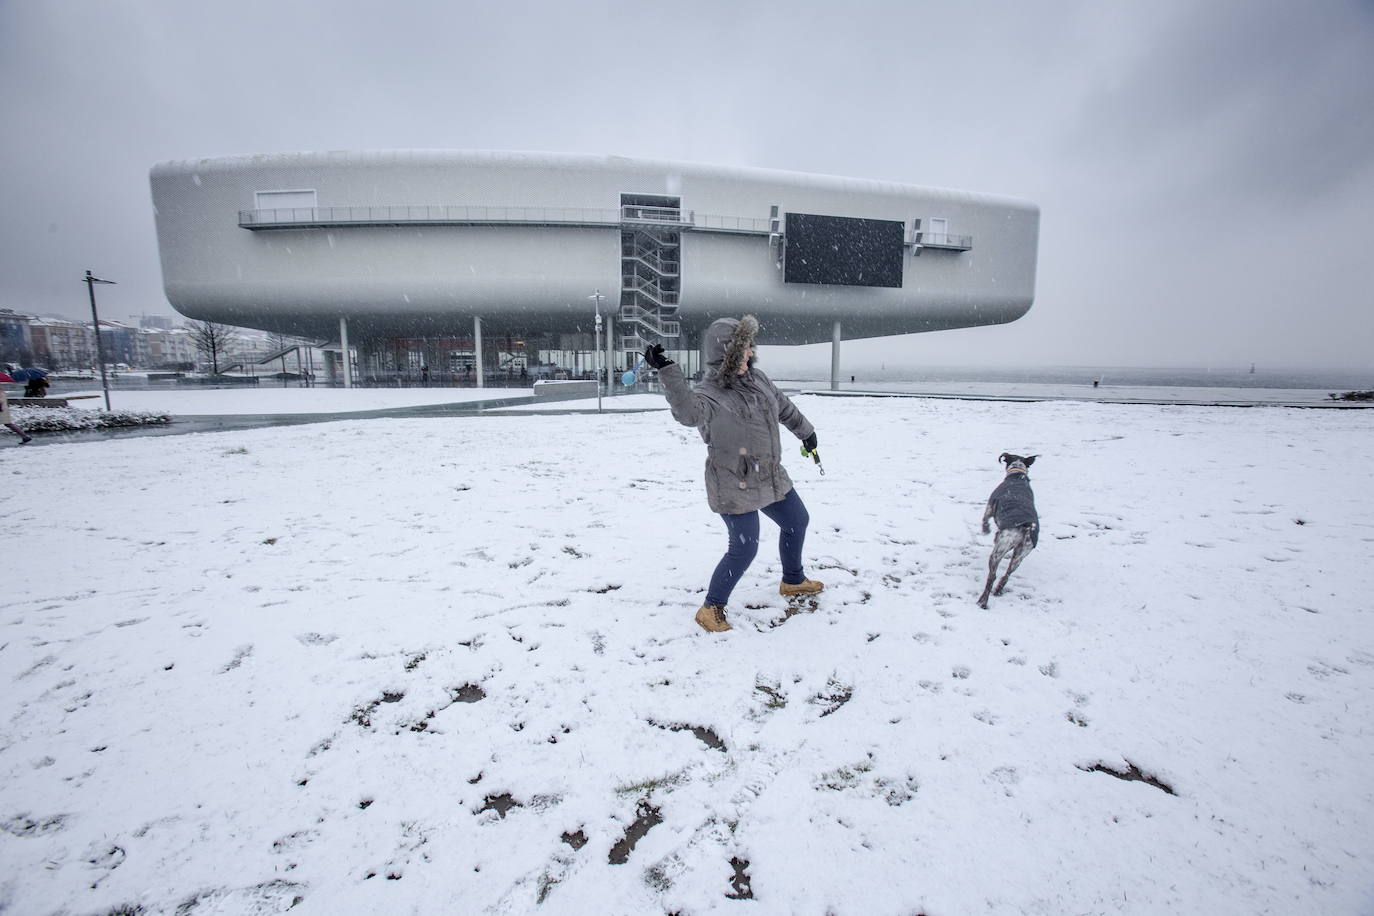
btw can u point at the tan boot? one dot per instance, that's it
(712, 619)
(804, 587)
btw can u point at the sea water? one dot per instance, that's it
(1172, 385)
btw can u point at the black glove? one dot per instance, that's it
(655, 358)
(809, 443)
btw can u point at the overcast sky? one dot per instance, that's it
(1205, 171)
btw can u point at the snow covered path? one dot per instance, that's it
(420, 666)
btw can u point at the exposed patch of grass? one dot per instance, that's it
(1132, 773)
(649, 786)
(499, 803)
(740, 888)
(647, 817)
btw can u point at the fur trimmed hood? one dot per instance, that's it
(724, 344)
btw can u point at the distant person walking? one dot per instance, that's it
(24, 437)
(37, 387)
(737, 409)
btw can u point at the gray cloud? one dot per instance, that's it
(1265, 102)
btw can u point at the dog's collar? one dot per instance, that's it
(1016, 471)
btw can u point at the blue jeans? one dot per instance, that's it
(791, 517)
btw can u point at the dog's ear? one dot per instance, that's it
(1031, 460)
(1004, 458)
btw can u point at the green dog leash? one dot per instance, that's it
(815, 455)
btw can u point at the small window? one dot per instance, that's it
(284, 200)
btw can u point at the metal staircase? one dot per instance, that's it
(650, 271)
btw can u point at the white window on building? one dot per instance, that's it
(938, 231)
(284, 200)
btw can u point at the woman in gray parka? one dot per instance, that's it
(737, 409)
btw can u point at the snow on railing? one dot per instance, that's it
(436, 214)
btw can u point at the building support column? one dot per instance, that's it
(477, 351)
(347, 361)
(610, 352)
(835, 358)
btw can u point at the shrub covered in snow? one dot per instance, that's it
(63, 419)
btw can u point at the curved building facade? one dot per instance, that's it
(405, 244)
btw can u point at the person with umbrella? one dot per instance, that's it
(37, 385)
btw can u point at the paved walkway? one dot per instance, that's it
(184, 424)
(1105, 398)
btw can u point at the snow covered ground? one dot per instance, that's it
(449, 665)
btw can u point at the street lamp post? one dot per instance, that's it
(596, 298)
(90, 282)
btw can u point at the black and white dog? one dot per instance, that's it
(1012, 505)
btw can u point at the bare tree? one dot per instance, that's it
(212, 340)
(277, 341)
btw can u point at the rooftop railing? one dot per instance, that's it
(744, 224)
(633, 214)
(435, 215)
(944, 240)
(442, 215)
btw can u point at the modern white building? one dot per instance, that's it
(368, 247)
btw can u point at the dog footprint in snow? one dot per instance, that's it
(240, 654)
(104, 857)
(769, 695)
(293, 842)
(1006, 777)
(835, 695)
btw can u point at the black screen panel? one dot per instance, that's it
(843, 251)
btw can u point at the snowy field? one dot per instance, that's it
(449, 665)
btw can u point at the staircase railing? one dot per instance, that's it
(664, 298)
(652, 321)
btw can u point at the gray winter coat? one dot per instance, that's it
(738, 417)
